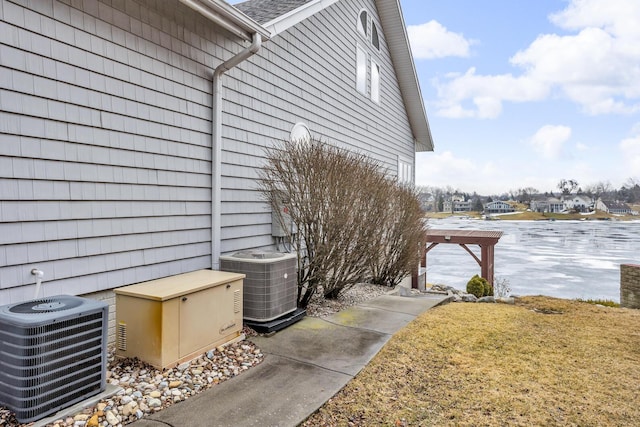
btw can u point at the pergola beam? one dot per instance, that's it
(485, 239)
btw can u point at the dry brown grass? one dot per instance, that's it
(542, 362)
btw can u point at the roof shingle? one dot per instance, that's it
(263, 11)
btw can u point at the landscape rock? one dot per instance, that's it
(469, 298)
(93, 421)
(111, 418)
(486, 299)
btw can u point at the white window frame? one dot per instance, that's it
(363, 30)
(374, 30)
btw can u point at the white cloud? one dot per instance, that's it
(486, 93)
(593, 69)
(447, 170)
(549, 140)
(597, 67)
(432, 40)
(630, 148)
(619, 17)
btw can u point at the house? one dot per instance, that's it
(614, 207)
(498, 206)
(131, 132)
(550, 204)
(578, 202)
(539, 205)
(457, 204)
(427, 201)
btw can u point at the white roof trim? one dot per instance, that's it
(395, 32)
(288, 20)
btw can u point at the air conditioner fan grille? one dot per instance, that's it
(46, 305)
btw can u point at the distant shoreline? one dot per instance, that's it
(534, 216)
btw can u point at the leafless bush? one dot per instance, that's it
(339, 203)
(501, 287)
(401, 236)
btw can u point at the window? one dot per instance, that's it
(375, 82)
(405, 170)
(364, 51)
(361, 70)
(362, 23)
(375, 41)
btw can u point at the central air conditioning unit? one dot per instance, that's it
(53, 353)
(270, 288)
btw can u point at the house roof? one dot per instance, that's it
(266, 10)
(279, 15)
(612, 204)
(228, 18)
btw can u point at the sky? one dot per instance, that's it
(526, 93)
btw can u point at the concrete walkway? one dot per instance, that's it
(304, 366)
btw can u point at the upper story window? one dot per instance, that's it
(361, 70)
(375, 81)
(375, 40)
(362, 23)
(365, 57)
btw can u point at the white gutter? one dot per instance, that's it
(216, 146)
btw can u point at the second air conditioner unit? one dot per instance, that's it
(270, 287)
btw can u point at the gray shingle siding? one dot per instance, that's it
(105, 134)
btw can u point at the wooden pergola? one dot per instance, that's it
(485, 239)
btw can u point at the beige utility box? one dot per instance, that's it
(170, 320)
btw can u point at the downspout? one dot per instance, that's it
(216, 146)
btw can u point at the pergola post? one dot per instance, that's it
(487, 254)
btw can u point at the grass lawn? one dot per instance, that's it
(541, 362)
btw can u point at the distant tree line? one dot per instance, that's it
(433, 198)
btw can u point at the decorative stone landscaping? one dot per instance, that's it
(461, 296)
(146, 390)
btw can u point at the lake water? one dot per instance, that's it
(566, 259)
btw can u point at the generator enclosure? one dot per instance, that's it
(170, 320)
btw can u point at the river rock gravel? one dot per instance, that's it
(147, 390)
(361, 292)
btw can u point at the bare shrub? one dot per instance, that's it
(339, 203)
(400, 236)
(501, 287)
